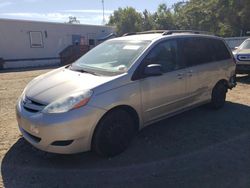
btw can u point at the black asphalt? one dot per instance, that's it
(199, 148)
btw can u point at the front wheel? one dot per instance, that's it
(219, 95)
(113, 133)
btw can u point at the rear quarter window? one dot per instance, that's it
(219, 50)
(202, 50)
(195, 51)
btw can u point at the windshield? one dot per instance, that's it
(245, 45)
(113, 56)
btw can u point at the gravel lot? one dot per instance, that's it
(199, 148)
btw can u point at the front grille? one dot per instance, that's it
(243, 57)
(30, 110)
(32, 106)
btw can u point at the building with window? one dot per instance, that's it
(32, 43)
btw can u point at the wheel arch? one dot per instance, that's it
(128, 109)
(222, 81)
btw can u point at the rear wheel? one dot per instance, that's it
(114, 133)
(219, 95)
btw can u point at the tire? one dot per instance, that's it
(218, 95)
(113, 133)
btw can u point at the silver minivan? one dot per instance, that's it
(103, 99)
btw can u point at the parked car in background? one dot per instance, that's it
(242, 57)
(100, 102)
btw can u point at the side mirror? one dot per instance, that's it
(153, 70)
(236, 47)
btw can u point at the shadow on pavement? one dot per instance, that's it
(245, 79)
(199, 148)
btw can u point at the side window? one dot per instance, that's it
(36, 39)
(220, 50)
(165, 54)
(196, 51)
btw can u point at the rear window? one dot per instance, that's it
(197, 50)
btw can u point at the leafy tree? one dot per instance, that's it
(147, 21)
(244, 15)
(73, 20)
(163, 18)
(126, 20)
(221, 17)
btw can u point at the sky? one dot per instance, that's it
(87, 11)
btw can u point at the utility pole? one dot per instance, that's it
(103, 17)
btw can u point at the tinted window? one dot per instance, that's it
(196, 51)
(164, 54)
(219, 50)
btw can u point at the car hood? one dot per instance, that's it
(61, 83)
(243, 51)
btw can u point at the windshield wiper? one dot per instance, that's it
(81, 70)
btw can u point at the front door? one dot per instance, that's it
(163, 94)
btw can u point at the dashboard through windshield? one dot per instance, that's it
(114, 56)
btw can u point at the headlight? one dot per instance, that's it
(68, 103)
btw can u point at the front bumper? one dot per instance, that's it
(64, 133)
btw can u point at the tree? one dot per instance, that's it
(244, 16)
(222, 17)
(164, 18)
(73, 20)
(126, 20)
(147, 21)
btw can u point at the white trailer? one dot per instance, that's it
(32, 43)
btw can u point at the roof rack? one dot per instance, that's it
(145, 32)
(168, 32)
